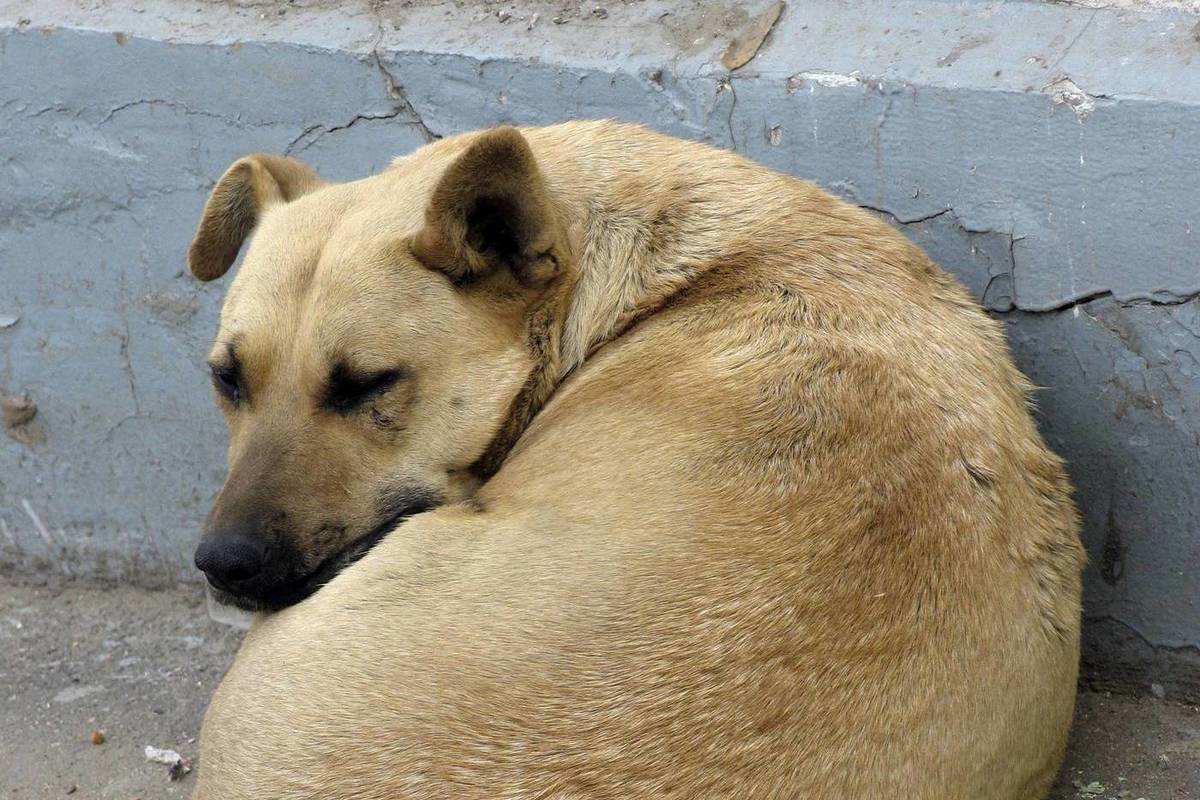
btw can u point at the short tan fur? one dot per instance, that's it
(769, 515)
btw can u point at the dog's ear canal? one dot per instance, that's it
(490, 210)
(247, 188)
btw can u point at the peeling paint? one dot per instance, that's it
(966, 45)
(20, 419)
(744, 47)
(1065, 91)
(981, 258)
(830, 80)
(1157, 298)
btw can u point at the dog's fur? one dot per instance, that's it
(769, 518)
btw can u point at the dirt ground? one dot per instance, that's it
(139, 666)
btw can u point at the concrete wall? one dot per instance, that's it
(1048, 154)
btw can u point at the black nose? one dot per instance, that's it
(230, 558)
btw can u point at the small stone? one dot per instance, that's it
(600, 13)
(72, 789)
(1158, 691)
(503, 15)
(560, 20)
(162, 755)
(98, 737)
(1093, 789)
(176, 771)
(177, 765)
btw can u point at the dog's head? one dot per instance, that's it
(371, 348)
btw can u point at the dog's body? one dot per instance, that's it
(771, 520)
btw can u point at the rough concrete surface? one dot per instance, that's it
(140, 665)
(1047, 153)
(76, 659)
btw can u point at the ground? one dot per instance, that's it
(138, 666)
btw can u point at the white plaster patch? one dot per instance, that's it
(824, 78)
(1065, 91)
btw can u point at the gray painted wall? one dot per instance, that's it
(1047, 154)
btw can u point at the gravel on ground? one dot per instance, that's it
(90, 676)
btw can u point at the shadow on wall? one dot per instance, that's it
(1118, 397)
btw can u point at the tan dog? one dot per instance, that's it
(770, 520)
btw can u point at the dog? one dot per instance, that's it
(585, 462)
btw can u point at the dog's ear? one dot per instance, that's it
(491, 210)
(246, 189)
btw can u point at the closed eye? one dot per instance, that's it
(227, 380)
(349, 389)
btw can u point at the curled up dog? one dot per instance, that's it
(624, 468)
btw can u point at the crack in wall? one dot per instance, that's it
(1075, 41)
(106, 114)
(395, 90)
(914, 220)
(315, 133)
(1124, 659)
(1141, 637)
(1156, 297)
(1161, 297)
(982, 258)
(124, 336)
(401, 106)
(112, 112)
(399, 95)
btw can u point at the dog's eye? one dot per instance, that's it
(228, 382)
(349, 390)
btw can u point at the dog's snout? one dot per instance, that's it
(231, 557)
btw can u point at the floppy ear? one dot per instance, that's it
(491, 210)
(241, 195)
